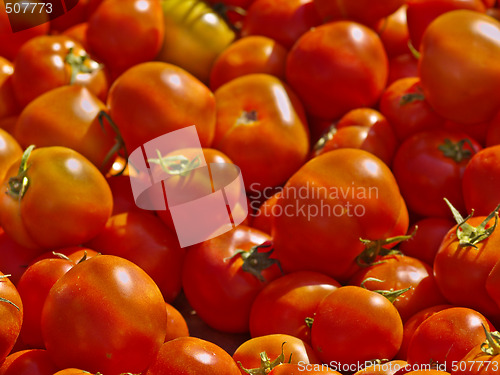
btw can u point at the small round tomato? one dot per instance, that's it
(402, 66)
(352, 315)
(176, 324)
(120, 309)
(8, 104)
(54, 198)
(11, 315)
(393, 31)
(346, 67)
(47, 62)
(10, 152)
(253, 54)
(191, 355)
(28, 362)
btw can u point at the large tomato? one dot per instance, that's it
(11, 315)
(468, 55)
(261, 126)
(54, 197)
(152, 99)
(105, 314)
(346, 67)
(28, 362)
(329, 204)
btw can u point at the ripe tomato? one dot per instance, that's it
(191, 355)
(282, 20)
(78, 13)
(481, 176)
(262, 217)
(406, 109)
(11, 315)
(468, 54)
(493, 132)
(105, 314)
(285, 303)
(79, 34)
(235, 279)
(10, 151)
(393, 31)
(194, 36)
(388, 368)
(484, 359)
(259, 109)
(253, 54)
(161, 98)
(47, 62)
(122, 34)
(176, 324)
(44, 122)
(55, 198)
(73, 371)
(402, 66)
(351, 315)
(28, 362)
(8, 104)
(346, 67)
(328, 205)
(303, 369)
(433, 161)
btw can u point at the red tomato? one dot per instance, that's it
(122, 34)
(493, 132)
(190, 355)
(28, 362)
(55, 198)
(47, 62)
(468, 54)
(388, 368)
(285, 303)
(11, 315)
(484, 359)
(162, 98)
(10, 151)
(393, 31)
(480, 181)
(259, 109)
(351, 315)
(405, 107)
(402, 66)
(77, 14)
(8, 104)
(263, 215)
(433, 162)
(303, 369)
(79, 34)
(73, 371)
(105, 314)
(176, 324)
(253, 54)
(235, 279)
(282, 20)
(346, 67)
(328, 205)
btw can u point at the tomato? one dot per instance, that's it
(10, 151)
(28, 362)
(468, 55)
(363, 128)
(282, 20)
(253, 54)
(191, 355)
(176, 324)
(11, 314)
(77, 12)
(388, 368)
(433, 161)
(406, 109)
(194, 36)
(352, 315)
(161, 98)
(493, 287)
(123, 198)
(493, 132)
(480, 176)
(364, 11)
(424, 244)
(303, 369)
(235, 279)
(144, 240)
(8, 123)
(47, 62)
(259, 109)
(105, 314)
(72, 371)
(79, 34)
(393, 31)
(402, 66)
(421, 13)
(123, 34)
(446, 336)
(262, 217)
(44, 122)
(59, 199)
(285, 303)
(328, 205)
(278, 348)
(483, 359)
(8, 104)
(347, 68)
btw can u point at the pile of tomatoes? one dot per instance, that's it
(368, 137)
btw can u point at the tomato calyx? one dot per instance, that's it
(248, 117)
(412, 97)
(266, 365)
(119, 142)
(5, 300)
(223, 9)
(375, 248)
(176, 164)
(456, 150)
(255, 261)
(492, 344)
(391, 295)
(79, 64)
(18, 185)
(467, 234)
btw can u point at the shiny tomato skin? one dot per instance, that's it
(347, 68)
(350, 315)
(176, 324)
(10, 315)
(8, 103)
(161, 98)
(259, 109)
(119, 305)
(468, 55)
(191, 355)
(72, 371)
(28, 362)
(10, 152)
(393, 31)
